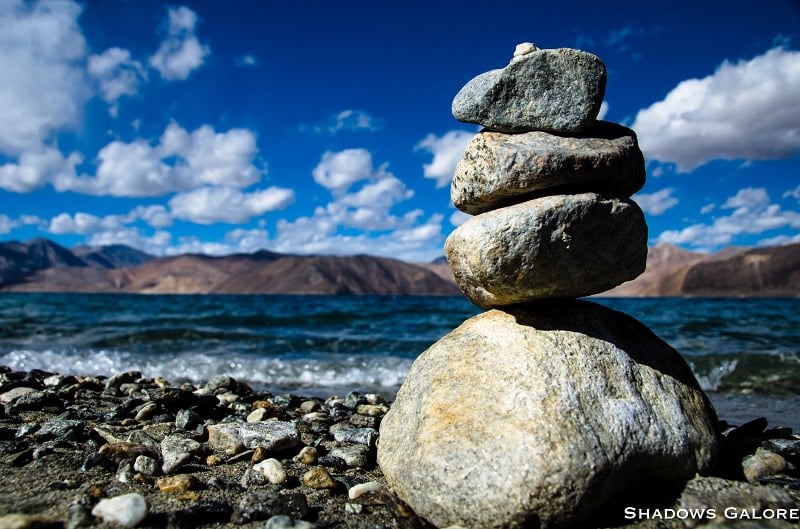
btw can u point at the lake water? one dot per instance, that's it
(745, 352)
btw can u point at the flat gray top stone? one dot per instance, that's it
(500, 169)
(557, 90)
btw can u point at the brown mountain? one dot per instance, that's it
(41, 265)
(45, 266)
(671, 271)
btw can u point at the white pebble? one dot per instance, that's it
(273, 470)
(359, 490)
(524, 48)
(257, 415)
(126, 510)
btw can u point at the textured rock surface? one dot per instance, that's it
(502, 169)
(558, 246)
(577, 402)
(557, 90)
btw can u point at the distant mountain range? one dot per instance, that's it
(41, 265)
(734, 272)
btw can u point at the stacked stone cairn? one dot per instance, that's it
(543, 409)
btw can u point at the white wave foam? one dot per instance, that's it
(332, 373)
(712, 380)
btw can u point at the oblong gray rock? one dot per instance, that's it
(500, 169)
(561, 246)
(272, 435)
(558, 90)
(537, 415)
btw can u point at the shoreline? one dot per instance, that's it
(69, 442)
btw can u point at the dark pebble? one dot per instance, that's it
(200, 514)
(45, 400)
(95, 460)
(788, 448)
(263, 503)
(188, 419)
(64, 429)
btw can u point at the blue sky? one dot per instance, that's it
(325, 127)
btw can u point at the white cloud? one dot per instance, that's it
(156, 244)
(793, 193)
(212, 157)
(748, 198)
(603, 110)
(752, 214)
(318, 235)
(85, 223)
(708, 208)
(208, 205)
(80, 223)
(248, 59)
(35, 168)
(156, 215)
(44, 85)
(780, 240)
(248, 241)
(337, 171)
(656, 203)
(459, 217)
(379, 195)
(447, 151)
(117, 75)
(181, 52)
(348, 120)
(362, 199)
(6, 224)
(351, 120)
(745, 110)
(199, 158)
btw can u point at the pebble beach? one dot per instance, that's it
(127, 451)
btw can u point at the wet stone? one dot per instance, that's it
(188, 419)
(177, 484)
(274, 435)
(146, 411)
(200, 514)
(273, 470)
(364, 421)
(224, 437)
(364, 436)
(146, 465)
(306, 456)
(259, 454)
(762, 464)
(788, 448)
(113, 384)
(281, 521)
(126, 510)
(36, 401)
(27, 429)
(353, 456)
(30, 521)
(63, 429)
(319, 478)
(13, 394)
(124, 450)
(262, 504)
(176, 451)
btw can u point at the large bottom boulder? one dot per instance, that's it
(537, 415)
